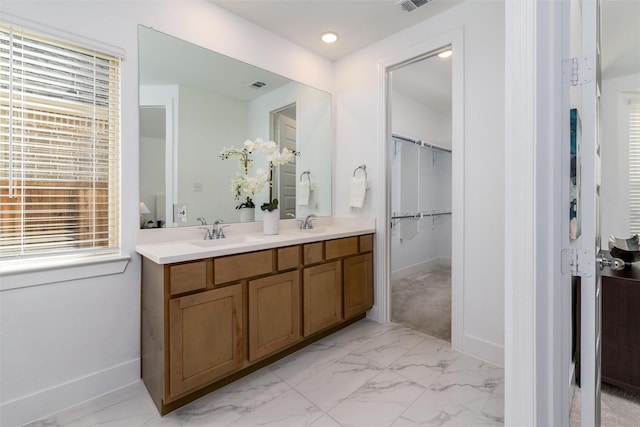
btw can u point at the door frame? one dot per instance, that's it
(537, 310)
(382, 309)
(166, 97)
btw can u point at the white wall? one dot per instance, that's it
(410, 118)
(359, 134)
(615, 154)
(64, 343)
(207, 123)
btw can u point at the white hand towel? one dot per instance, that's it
(358, 191)
(302, 196)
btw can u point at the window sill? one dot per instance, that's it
(22, 274)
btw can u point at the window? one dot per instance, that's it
(59, 147)
(634, 167)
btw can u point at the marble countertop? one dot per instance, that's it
(164, 246)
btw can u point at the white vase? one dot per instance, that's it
(247, 214)
(271, 222)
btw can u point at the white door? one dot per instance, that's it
(287, 175)
(590, 285)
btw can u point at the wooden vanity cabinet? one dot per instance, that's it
(205, 338)
(322, 302)
(358, 277)
(274, 313)
(208, 322)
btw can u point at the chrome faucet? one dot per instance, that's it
(208, 235)
(217, 232)
(307, 224)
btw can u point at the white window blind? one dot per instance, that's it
(634, 168)
(59, 147)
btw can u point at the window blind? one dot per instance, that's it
(59, 147)
(634, 168)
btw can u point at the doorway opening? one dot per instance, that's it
(421, 192)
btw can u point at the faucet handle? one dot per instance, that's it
(221, 231)
(290, 215)
(202, 220)
(302, 222)
(208, 235)
(218, 221)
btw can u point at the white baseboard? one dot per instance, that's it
(49, 401)
(416, 268)
(483, 350)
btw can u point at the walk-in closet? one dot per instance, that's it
(421, 195)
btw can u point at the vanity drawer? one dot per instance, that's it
(187, 277)
(341, 247)
(366, 243)
(242, 266)
(288, 257)
(312, 253)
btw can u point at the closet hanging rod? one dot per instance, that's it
(418, 215)
(420, 142)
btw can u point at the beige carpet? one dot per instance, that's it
(619, 408)
(423, 301)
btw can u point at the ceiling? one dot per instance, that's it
(357, 22)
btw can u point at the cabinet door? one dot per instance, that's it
(358, 284)
(205, 342)
(322, 297)
(274, 313)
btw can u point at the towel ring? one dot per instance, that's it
(364, 169)
(308, 173)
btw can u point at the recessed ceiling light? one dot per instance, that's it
(329, 37)
(445, 54)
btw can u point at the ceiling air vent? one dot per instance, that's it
(257, 84)
(411, 5)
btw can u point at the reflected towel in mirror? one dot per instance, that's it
(358, 191)
(303, 189)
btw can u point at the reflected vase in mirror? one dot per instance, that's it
(247, 214)
(271, 222)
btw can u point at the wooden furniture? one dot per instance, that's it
(621, 327)
(210, 321)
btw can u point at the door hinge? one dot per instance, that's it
(577, 71)
(578, 262)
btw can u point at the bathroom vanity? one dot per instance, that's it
(216, 310)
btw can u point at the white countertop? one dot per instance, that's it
(164, 246)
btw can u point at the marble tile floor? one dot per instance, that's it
(368, 374)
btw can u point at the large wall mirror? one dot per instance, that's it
(193, 104)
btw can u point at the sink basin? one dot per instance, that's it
(312, 230)
(228, 241)
(627, 250)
